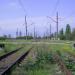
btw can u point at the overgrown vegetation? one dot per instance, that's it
(24, 37)
(9, 47)
(68, 60)
(41, 63)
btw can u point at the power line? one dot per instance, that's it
(56, 21)
(26, 26)
(21, 4)
(71, 15)
(55, 7)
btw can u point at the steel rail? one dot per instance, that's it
(62, 65)
(17, 61)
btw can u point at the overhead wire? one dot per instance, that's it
(64, 18)
(55, 7)
(21, 4)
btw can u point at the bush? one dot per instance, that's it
(24, 37)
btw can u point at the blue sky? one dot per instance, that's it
(12, 15)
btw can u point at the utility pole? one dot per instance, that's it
(26, 27)
(20, 34)
(17, 33)
(34, 33)
(57, 25)
(50, 31)
(56, 21)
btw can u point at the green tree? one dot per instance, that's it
(73, 34)
(68, 32)
(61, 34)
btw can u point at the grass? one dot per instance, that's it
(40, 62)
(9, 48)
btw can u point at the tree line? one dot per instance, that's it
(67, 34)
(64, 34)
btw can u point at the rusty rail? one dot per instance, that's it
(7, 54)
(62, 65)
(7, 69)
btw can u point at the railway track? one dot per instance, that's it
(8, 60)
(62, 65)
(6, 55)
